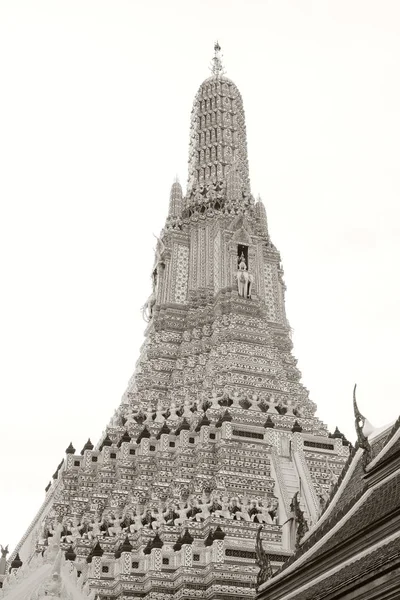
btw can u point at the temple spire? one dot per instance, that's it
(217, 67)
(217, 133)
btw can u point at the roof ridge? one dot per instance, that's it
(389, 442)
(320, 528)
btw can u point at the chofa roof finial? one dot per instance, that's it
(362, 436)
(262, 560)
(217, 67)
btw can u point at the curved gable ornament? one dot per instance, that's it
(363, 428)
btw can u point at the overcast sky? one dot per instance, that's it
(94, 125)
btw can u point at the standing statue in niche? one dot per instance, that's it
(159, 263)
(147, 308)
(245, 279)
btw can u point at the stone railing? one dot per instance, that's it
(279, 478)
(307, 486)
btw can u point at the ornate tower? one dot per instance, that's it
(215, 435)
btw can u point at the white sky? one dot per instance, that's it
(94, 124)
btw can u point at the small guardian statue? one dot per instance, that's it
(242, 277)
(3, 559)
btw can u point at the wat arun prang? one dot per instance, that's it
(215, 445)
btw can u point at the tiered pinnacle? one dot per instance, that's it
(215, 434)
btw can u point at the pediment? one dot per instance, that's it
(242, 236)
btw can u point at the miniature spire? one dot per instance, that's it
(16, 563)
(186, 538)
(218, 534)
(175, 199)
(87, 446)
(261, 215)
(70, 554)
(157, 542)
(126, 545)
(363, 428)
(70, 449)
(217, 67)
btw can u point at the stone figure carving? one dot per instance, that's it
(204, 507)
(115, 525)
(251, 281)
(240, 509)
(170, 514)
(255, 511)
(194, 509)
(182, 510)
(51, 588)
(91, 529)
(158, 515)
(245, 279)
(46, 531)
(147, 308)
(3, 559)
(224, 510)
(242, 278)
(136, 524)
(148, 519)
(71, 530)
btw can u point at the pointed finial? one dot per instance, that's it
(16, 563)
(216, 67)
(175, 199)
(263, 560)
(70, 449)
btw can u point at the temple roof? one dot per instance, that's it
(351, 538)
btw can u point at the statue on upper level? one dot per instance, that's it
(245, 279)
(3, 559)
(147, 308)
(242, 278)
(159, 263)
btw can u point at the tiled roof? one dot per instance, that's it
(382, 501)
(394, 448)
(353, 573)
(352, 492)
(349, 495)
